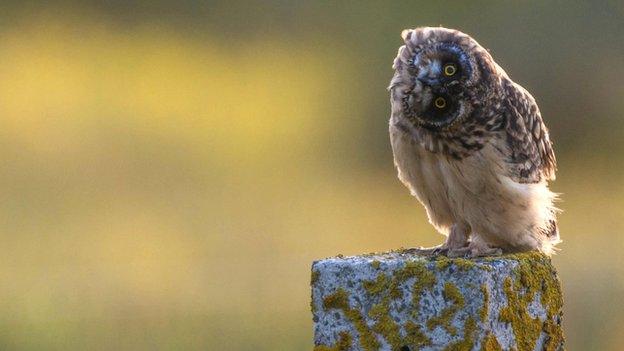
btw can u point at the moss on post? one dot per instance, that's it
(397, 301)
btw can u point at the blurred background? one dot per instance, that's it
(170, 169)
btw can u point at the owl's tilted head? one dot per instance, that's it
(442, 77)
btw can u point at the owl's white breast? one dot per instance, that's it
(473, 191)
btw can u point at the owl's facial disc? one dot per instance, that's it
(432, 106)
(442, 63)
(437, 97)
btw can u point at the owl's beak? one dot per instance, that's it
(429, 81)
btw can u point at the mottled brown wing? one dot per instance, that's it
(531, 156)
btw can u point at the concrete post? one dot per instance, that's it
(401, 302)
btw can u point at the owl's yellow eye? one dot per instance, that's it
(440, 102)
(450, 69)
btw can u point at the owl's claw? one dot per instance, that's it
(429, 251)
(475, 250)
(490, 251)
(463, 252)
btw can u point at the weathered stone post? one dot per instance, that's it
(398, 301)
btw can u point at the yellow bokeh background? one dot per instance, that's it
(171, 169)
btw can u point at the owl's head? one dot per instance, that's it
(441, 77)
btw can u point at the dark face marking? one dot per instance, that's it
(436, 59)
(453, 55)
(441, 113)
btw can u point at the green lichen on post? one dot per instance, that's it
(463, 264)
(533, 275)
(490, 343)
(526, 329)
(389, 288)
(386, 326)
(536, 275)
(340, 300)
(467, 343)
(483, 312)
(426, 280)
(377, 286)
(314, 277)
(380, 312)
(443, 262)
(412, 269)
(414, 336)
(452, 294)
(343, 344)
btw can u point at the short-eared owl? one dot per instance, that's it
(471, 145)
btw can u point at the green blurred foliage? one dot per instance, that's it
(171, 168)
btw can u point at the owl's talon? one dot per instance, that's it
(462, 252)
(428, 251)
(488, 251)
(479, 248)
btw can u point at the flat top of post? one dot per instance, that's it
(403, 255)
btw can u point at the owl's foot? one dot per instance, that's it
(429, 251)
(475, 249)
(457, 239)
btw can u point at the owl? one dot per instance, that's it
(471, 145)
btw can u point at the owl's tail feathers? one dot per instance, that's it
(553, 230)
(551, 239)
